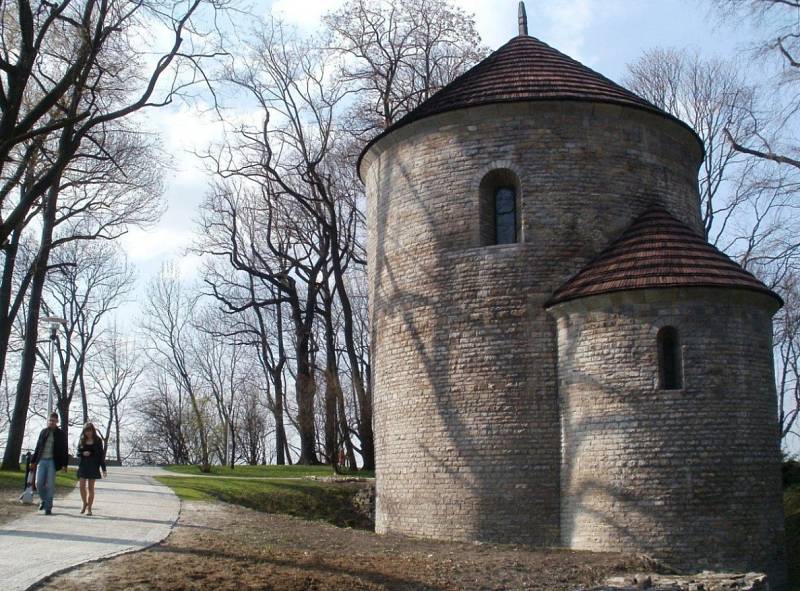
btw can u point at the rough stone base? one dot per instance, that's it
(705, 581)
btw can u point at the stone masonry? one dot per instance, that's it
(692, 475)
(464, 350)
(499, 417)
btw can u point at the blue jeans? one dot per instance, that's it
(46, 481)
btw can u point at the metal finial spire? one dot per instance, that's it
(523, 19)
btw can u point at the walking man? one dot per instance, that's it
(51, 455)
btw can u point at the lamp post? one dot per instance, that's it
(54, 322)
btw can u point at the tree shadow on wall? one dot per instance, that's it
(468, 498)
(657, 492)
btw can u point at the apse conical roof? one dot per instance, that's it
(657, 251)
(524, 69)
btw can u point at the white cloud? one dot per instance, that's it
(186, 128)
(189, 266)
(145, 246)
(303, 13)
(496, 21)
(562, 24)
(566, 26)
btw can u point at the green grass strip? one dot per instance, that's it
(264, 471)
(331, 502)
(12, 479)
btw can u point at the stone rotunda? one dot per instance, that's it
(559, 356)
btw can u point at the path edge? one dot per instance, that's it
(44, 580)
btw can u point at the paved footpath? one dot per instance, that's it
(131, 511)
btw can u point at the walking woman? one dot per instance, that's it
(92, 459)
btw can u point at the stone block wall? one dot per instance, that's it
(690, 476)
(464, 354)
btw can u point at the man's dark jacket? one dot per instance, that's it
(60, 448)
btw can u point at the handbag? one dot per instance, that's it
(27, 495)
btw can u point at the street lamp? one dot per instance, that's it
(54, 322)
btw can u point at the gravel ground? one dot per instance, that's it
(227, 547)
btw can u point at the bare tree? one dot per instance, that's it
(780, 46)
(168, 333)
(160, 437)
(400, 53)
(87, 282)
(253, 424)
(222, 369)
(255, 318)
(285, 215)
(74, 66)
(72, 69)
(115, 371)
(298, 161)
(712, 96)
(272, 246)
(105, 190)
(787, 349)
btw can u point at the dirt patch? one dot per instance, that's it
(11, 508)
(225, 547)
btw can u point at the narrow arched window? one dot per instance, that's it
(499, 208)
(505, 215)
(669, 359)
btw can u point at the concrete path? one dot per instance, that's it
(131, 511)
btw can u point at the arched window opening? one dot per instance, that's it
(669, 359)
(505, 215)
(499, 208)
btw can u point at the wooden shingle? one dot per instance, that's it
(657, 250)
(524, 69)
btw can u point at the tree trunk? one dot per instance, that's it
(6, 288)
(117, 435)
(84, 400)
(201, 428)
(63, 412)
(362, 393)
(287, 451)
(305, 389)
(280, 430)
(331, 428)
(331, 387)
(233, 447)
(109, 424)
(344, 428)
(273, 374)
(16, 431)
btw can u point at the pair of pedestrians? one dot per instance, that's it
(52, 454)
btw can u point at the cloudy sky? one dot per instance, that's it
(603, 34)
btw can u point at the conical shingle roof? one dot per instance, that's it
(524, 69)
(656, 251)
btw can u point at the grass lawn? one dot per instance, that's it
(13, 480)
(334, 502)
(264, 471)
